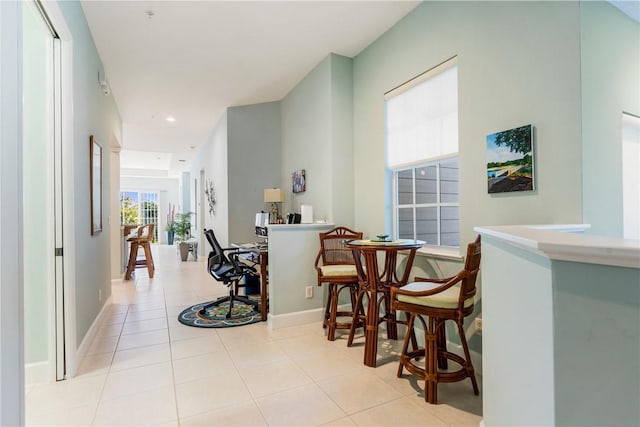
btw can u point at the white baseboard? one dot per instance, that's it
(41, 372)
(38, 372)
(298, 318)
(91, 334)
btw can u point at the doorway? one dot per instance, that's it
(44, 347)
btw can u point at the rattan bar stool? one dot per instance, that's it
(338, 272)
(142, 239)
(439, 300)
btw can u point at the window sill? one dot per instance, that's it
(439, 252)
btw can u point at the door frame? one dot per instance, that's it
(68, 201)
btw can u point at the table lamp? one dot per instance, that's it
(274, 196)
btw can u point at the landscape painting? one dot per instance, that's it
(510, 160)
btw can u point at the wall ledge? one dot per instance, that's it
(567, 242)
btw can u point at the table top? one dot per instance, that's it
(384, 244)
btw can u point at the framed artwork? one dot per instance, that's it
(95, 184)
(299, 181)
(510, 160)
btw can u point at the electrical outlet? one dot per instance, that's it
(309, 292)
(99, 294)
(478, 323)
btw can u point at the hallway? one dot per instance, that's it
(144, 368)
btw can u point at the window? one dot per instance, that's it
(139, 208)
(422, 154)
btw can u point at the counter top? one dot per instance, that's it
(299, 226)
(567, 242)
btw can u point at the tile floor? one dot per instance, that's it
(144, 368)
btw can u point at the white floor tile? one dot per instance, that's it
(242, 415)
(303, 406)
(143, 339)
(136, 380)
(207, 394)
(195, 346)
(141, 409)
(357, 392)
(202, 366)
(142, 356)
(144, 326)
(273, 378)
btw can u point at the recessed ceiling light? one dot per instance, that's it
(171, 119)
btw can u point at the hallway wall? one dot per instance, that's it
(94, 114)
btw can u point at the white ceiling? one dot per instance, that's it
(193, 59)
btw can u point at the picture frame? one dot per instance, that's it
(298, 181)
(510, 160)
(95, 185)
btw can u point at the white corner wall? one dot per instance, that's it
(610, 67)
(11, 303)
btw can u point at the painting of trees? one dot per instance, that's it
(510, 160)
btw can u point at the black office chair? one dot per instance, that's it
(228, 270)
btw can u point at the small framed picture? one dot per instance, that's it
(510, 160)
(299, 181)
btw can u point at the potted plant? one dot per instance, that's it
(170, 228)
(183, 232)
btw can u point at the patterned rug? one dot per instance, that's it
(242, 314)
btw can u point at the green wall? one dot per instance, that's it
(254, 164)
(212, 158)
(317, 136)
(596, 315)
(94, 113)
(242, 158)
(508, 76)
(610, 43)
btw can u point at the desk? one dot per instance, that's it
(374, 282)
(259, 255)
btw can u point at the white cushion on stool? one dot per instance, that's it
(339, 270)
(445, 299)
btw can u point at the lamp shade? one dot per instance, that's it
(273, 195)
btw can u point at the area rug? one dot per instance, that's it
(242, 314)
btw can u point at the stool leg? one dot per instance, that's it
(353, 293)
(133, 254)
(327, 309)
(469, 366)
(441, 342)
(355, 321)
(405, 344)
(333, 301)
(148, 258)
(430, 363)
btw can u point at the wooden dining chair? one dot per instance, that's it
(335, 267)
(142, 239)
(439, 300)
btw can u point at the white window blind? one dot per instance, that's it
(422, 123)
